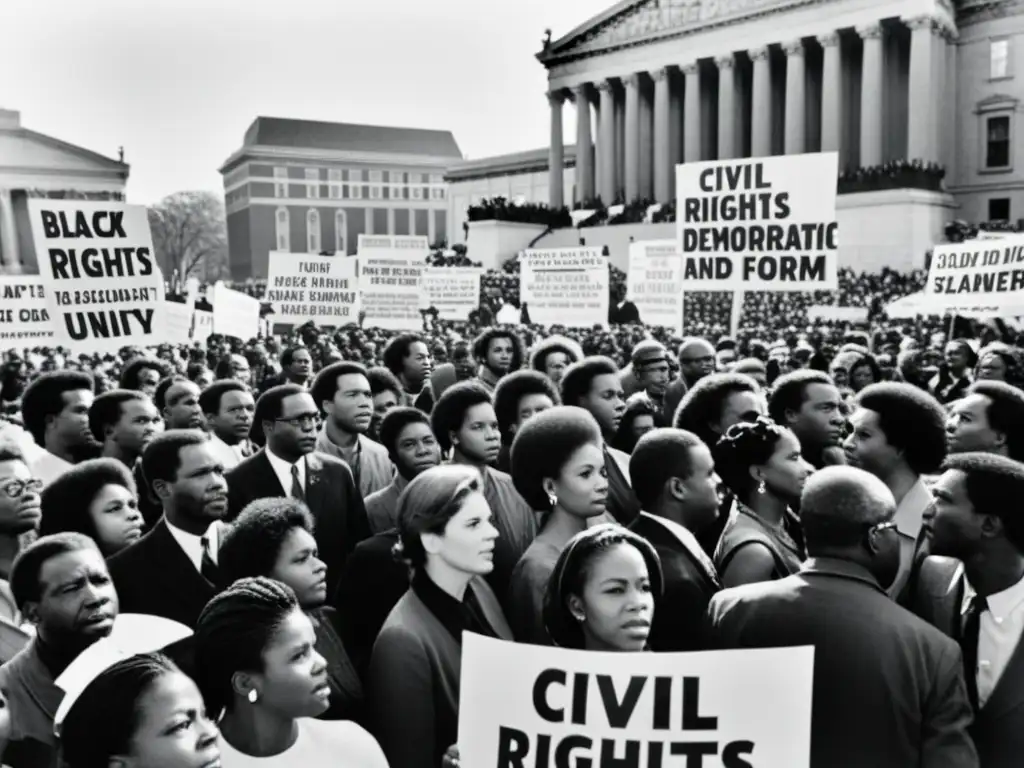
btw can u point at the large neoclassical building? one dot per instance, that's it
(659, 82)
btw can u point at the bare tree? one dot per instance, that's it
(190, 235)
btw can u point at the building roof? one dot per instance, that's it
(531, 161)
(24, 148)
(310, 134)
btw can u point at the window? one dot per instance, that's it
(341, 232)
(334, 183)
(312, 190)
(998, 59)
(282, 230)
(997, 142)
(437, 193)
(376, 178)
(415, 186)
(280, 182)
(313, 231)
(397, 185)
(355, 191)
(999, 209)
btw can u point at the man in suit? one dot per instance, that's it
(296, 368)
(285, 425)
(978, 599)
(171, 571)
(888, 688)
(228, 406)
(674, 478)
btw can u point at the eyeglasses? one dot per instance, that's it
(17, 488)
(882, 526)
(302, 421)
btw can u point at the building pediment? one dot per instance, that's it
(27, 151)
(633, 22)
(997, 101)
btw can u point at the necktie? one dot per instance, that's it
(297, 492)
(969, 645)
(207, 567)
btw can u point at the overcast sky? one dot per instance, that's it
(177, 82)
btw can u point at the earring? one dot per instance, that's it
(552, 500)
(579, 617)
(761, 487)
(253, 696)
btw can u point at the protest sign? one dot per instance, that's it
(178, 322)
(303, 287)
(766, 224)
(540, 707)
(24, 315)
(977, 277)
(202, 327)
(654, 283)
(453, 291)
(234, 313)
(103, 287)
(391, 281)
(830, 312)
(565, 286)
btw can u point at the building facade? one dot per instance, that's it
(660, 82)
(309, 187)
(522, 177)
(33, 165)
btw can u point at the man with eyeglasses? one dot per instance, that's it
(20, 512)
(888, 688)
(285, 426)
(696, 360)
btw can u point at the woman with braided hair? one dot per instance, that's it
(259, 672)
(761, 463)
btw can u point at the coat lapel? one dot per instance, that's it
(315, 482)
(265, 478)
(1009, 691)
(176, 570)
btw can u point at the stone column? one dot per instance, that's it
(391, 221)
(726, 107)
(871, 104)
(584, 147)
(796, 98)
(606, 158)
(10, 263)
(368, 221)
(948, 119)
(691, 114)
(632, 142)
(662, 137)
(431, 226)
(761, 105)
(921, 110)
(556, 152)
(831, 91)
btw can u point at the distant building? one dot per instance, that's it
(520, 177)
(33, 165)
(308, 187)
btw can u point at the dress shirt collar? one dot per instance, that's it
(193, 545)
(1000, 604)
(283, 470)
(910, 512)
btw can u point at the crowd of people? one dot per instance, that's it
(327, 512)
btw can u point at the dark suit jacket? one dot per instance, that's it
(998, 729)
(889, 689)
(362, 608)
(414, 679)
(155, 576)
(331, 496)
(689, 587)
(626, 314)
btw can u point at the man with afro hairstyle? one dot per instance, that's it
(898, 435)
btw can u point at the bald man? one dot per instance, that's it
(889, 688)
(696, 360)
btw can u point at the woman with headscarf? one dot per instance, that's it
(580, 613)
